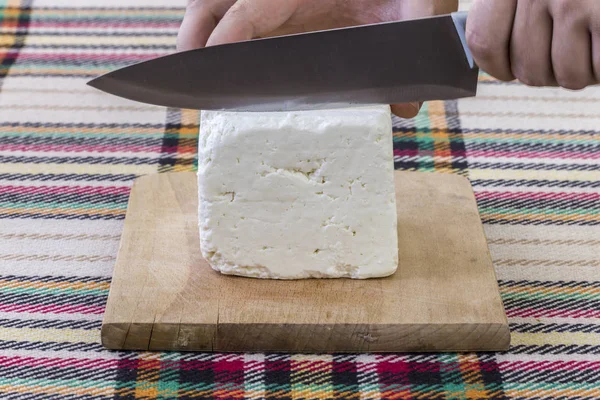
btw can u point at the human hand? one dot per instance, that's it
(213, 22)
(539, 42)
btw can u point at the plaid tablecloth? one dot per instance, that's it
(68, 155)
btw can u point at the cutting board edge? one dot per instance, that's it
(496, 337)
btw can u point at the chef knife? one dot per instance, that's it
(387, 63)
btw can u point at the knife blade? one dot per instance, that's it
(387, 63)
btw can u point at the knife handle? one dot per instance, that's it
(460, 21)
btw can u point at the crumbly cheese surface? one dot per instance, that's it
(290, 195)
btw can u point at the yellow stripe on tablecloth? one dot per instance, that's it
(310, 376)
(7, 40)
(178, 168)
(30, 168)
(531, 174)
(554, 338)
(35, 388)
(5, 283)
(539, 216)
(50, 335)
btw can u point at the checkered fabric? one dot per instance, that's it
(68, 155)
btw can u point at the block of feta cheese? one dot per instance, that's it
(291, 195)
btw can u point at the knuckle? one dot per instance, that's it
(527, 80)
(536, 7)
(240, 6)
(565, 9)
(572, 85)
(569, 13)
(570, 81)
(491, 56)
(595, 25)
(481, 47)
(525, 76)
(193, 4)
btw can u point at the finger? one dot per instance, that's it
(596, 56)
(595, 28)
(199, 21)
(489, 31)
(571, 48)
(531, 45)
(420, 8)
(408, 110)
(248, 19)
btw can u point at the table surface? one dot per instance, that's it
(69, 154)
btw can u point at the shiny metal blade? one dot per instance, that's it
(387, 63)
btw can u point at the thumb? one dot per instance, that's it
(248, 19)
(199, 21)
(407, 110)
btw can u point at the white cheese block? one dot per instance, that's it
(290, 195)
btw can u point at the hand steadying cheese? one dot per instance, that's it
(293, 195)
(539, 42)
(211, 22)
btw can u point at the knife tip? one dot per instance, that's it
(93, 82)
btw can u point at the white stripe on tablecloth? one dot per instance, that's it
(109, 3)
(72, 256)
(68, 183)
(62, 354)
(41, 316)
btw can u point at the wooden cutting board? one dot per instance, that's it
(444, 296)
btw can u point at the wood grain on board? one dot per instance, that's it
(444, 296)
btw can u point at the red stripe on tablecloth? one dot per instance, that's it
(549, 313)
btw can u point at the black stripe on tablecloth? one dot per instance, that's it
(53, 346)
(122, 140)
(532, 166)
(63, 199)
(54, 278)
(580, 149)
(550, 205)
(51, 324)
(554, 328)
(60, 216)
(79, 160)
(69, 177)
(52, 299)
